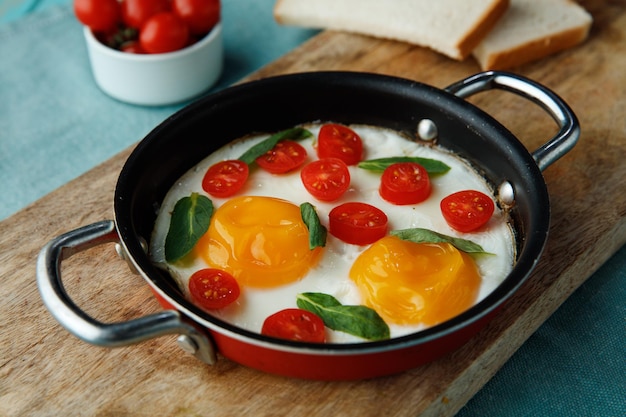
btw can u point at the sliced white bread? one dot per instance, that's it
(451, 27)
(530, 30)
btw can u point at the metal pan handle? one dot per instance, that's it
(86, 328)
(569, 128)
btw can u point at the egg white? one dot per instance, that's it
(331, 274)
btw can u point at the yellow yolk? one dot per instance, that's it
(261, 241)
(413, 283)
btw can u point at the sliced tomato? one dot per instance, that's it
(326, 179)
(213, 288)
(285, 156)
(225, 178)
(338, 141)
(405, 183)
(357, 223)
(467, 210)
(295, 324)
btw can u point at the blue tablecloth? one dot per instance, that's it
(55, 124)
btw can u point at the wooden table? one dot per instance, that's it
(46, 371)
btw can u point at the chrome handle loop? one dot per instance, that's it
(92, 331)
(569, 127)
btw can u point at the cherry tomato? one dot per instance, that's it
(338, 141)
(163, 32)
(357, 223)
(98, 15)
(326, 179)
(137, 12)
(295, 324)
(225, 178)
(132, 47)
(213, 288)
(199, 15)
(284, 157)
(404, 183)
(467, 210)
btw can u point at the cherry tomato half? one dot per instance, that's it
(326, 179)
(295, 324)
(98, 15)
(137, 12)
(284, 157)
(199, 15)
(213, 288)
(163, 32)
(405, 183)
(467, 210)
(225, 178)
(338, 141)
(357, 223)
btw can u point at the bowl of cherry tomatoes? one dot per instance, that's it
(153, 52)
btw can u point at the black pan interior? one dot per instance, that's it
(276, 103)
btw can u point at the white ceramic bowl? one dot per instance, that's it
(157, 79)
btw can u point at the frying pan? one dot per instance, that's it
(281, 102)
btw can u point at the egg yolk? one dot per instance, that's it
(416, 283)
(261, 241)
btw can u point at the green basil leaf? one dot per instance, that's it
(419, 235)
(317, 232)
(190, 220)
(359, 321)
(432, 166)
(296, 133)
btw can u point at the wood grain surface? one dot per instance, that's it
(44, 371)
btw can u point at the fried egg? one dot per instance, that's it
(259, 237)
(260, 240)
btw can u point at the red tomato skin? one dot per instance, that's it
(467, 210)
(357, 223)
(326, 179)
(286, 156)
(213, 289)
(163, 32)
(295, 324)
(405, 183)
(225, 178)
(338, 141)
(199, 15)
(98, 15)
(136, 12)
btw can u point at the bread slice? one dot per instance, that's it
(451, 27)
(533, 29)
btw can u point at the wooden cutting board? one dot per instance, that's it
(45, 371)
